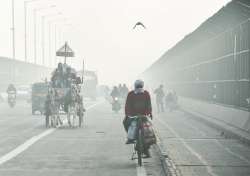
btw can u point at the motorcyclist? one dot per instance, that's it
(138, 102)
(57, 76)
(11, 89)
(115, 93)
(67, 77)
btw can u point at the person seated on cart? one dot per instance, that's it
(57, 76)
(69, 77)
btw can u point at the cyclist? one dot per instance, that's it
(138, 103)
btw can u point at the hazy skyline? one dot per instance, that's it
(102, 34)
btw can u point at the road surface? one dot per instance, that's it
(98, 148)
(197, 149)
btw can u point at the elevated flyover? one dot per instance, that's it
(20, 73)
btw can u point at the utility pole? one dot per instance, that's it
(35, 49)
(35, 30)
(55, 44)
(12, 67)
(25, 31)
(44, 17)
(43, 41)
(50, 58)
(13, 31)
(25, 3)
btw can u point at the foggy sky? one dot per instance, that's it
(101, 31)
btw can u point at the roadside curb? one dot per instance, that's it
(168, 165)
(228, 131)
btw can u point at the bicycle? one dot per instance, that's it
(139, 139)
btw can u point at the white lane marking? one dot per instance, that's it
(224, 147)
(140, 170)
(24, 146)
(21, 148)
(233, 153)
(204, 162)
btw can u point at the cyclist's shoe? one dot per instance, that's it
(130, 141)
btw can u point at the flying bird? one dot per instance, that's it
(139, 24)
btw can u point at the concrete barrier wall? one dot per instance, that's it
(231, 116)
(21, 73)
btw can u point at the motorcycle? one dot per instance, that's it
(12, 99)
(116, 105)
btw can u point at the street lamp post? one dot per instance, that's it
(25, 30)
(43, 40)
(26, 3)
(43, 33)
(35, 24)
(34, 13)
(55, 42)
(25, 27)
(12, 66)
(50, 62)
(55, 21)
(13, 31)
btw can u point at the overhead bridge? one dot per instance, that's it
(20, 73)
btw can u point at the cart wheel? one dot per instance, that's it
(80, 120)
(47, 121)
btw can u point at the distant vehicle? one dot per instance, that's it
(89, 88)
(116, 105)
(23, 92)
(38, 97)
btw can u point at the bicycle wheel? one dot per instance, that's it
(139, 147)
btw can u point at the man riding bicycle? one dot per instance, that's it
(138, 102)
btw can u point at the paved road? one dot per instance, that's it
(198, 150)
(96, 149)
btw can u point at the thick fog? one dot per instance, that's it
(100, 32)
(125, 87)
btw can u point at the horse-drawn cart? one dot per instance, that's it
(64, 98)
